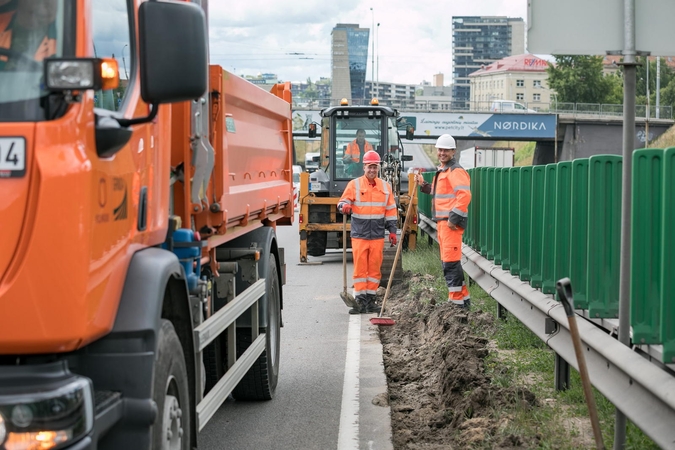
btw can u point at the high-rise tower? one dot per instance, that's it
(349, 59)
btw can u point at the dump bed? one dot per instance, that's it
(252, 179)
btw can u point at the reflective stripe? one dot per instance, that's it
(360, 280)
(445, 195)
(457, 302)
(370, 291)
(442, 213)
(462, 188)
(391, 207)
(459, 212)
(368, 216)
(348, 202)
(359, 292)
(357, 203)
(455, 289)
(374, 280)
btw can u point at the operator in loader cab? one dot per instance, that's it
(370, 201)
(28, 30)
(355, 151)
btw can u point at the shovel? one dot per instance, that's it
(388, 321)
(564, 289)
(344, 295)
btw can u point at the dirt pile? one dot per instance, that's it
(439, 393)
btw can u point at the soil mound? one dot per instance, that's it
(439, 393)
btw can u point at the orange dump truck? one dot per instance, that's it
(140, 273)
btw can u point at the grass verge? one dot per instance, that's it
(518, 357)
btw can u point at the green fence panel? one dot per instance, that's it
(476, 196)
(525, 208)
(514, 220)
(484, 224)
(668, 242)
(604, 235)
(505, 240)
(563, 213)
(497, 223)
(490, 213)
(537, 225)
(548, 235)
(424, 200)
(579, 233)
(646, 246)
(468, 235)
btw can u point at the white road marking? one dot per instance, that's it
(348, 436)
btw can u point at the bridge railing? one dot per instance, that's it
(447, 105)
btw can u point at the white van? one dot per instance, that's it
(509, 106)
(297, 170)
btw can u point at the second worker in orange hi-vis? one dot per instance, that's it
(451, 197)
(370, 201)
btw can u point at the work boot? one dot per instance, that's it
(360, 308)
(371, 307)
(467, 304)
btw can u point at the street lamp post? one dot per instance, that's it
(124, 63)
(378, 55)
(372, 60)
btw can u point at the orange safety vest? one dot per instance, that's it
(354, 151)
(373, 208)
(451, 191)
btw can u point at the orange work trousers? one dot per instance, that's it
(450, 242)
(367, 255)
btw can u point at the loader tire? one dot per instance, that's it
(387, 263)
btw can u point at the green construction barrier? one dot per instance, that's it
(497, 223)
(514, 220)
(537, 225)
(490, 217)
(476, 200)
(563, 213)
(646, 247)
(668, 242)
(468, 235)
(505, 229)
(525, 209)
(484, 197)
(604, 235)
(548, 235)
(579, 233)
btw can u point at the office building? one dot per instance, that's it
(349, 57)
(481, 40)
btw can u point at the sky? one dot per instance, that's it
(293, 38)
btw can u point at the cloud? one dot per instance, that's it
(293, 39)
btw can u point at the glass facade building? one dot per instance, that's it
(349, 58)
(478, 41)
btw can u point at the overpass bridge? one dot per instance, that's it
(568, 134)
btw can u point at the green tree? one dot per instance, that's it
(579, 79)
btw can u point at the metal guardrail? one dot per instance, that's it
(643, 390)
(442, 105)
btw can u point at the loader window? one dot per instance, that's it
(353, 137)
(112, 39)
(30, 31)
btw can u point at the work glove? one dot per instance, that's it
(346, 209)
(392, 238)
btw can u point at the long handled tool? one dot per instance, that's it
(388, 321)
(564, 289)
(344, 295)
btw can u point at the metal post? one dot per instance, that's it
(372, 57)
(658, 85)
(627, 167)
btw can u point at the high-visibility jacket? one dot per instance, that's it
(40, 48)
(354, 151)
(373, 208)
(451, 190)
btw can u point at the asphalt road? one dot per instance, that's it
(324, 396)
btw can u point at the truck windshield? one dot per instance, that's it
(30, 31)
(353, 137)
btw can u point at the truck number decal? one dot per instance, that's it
(12, 157)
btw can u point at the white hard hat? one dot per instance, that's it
(446, 141)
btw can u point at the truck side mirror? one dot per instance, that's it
(312, 130)
(409, 132)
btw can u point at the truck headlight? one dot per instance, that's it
(49, 418)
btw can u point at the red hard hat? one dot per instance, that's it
(371, 157)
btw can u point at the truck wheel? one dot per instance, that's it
(170, 392)
(261, 380)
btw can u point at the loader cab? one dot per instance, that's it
(347, 133)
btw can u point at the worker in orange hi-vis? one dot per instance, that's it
(27, 31)
(370, 201)
(354, 152)
(451, 197)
